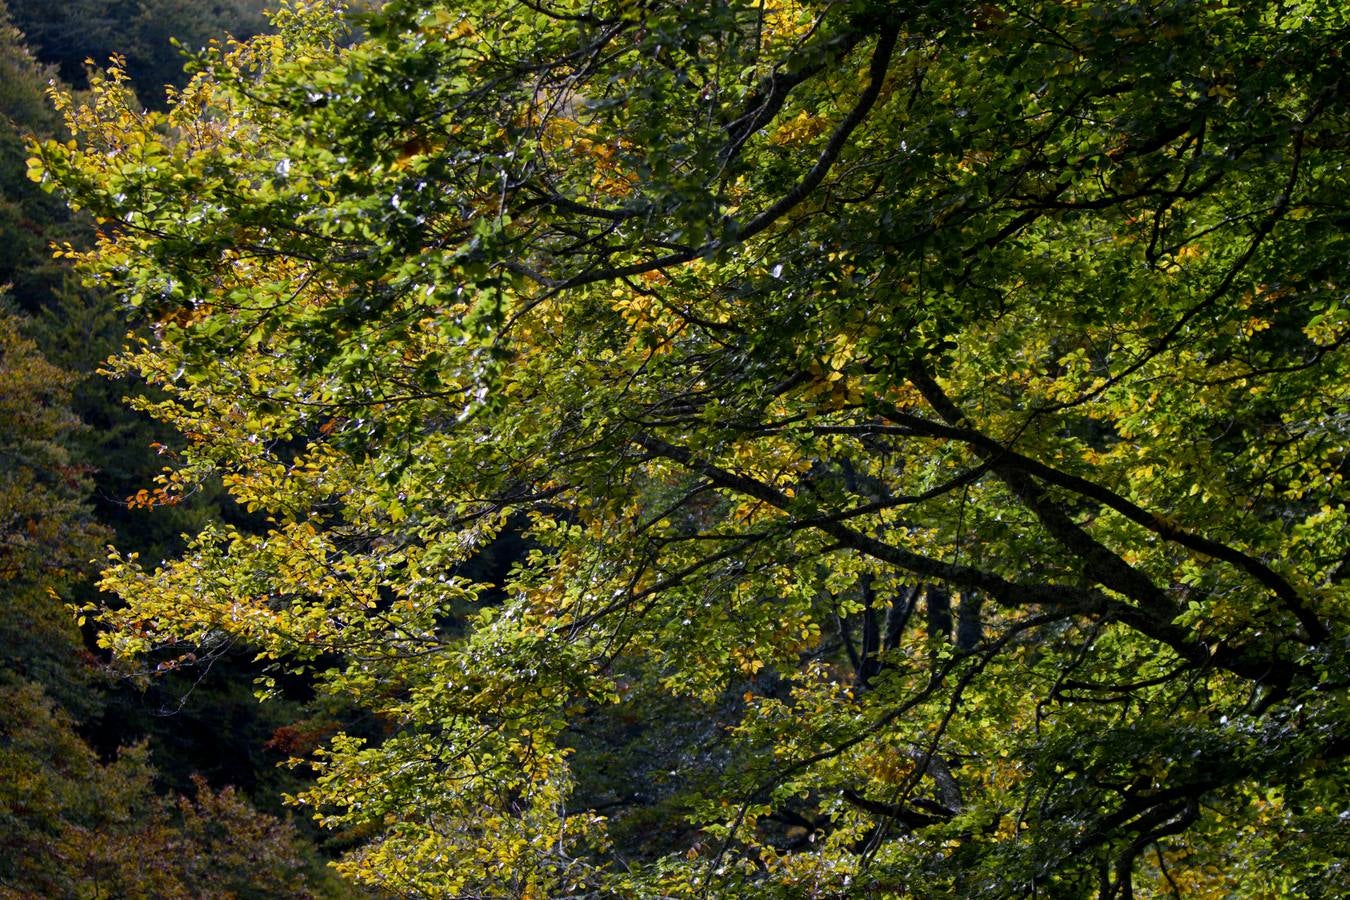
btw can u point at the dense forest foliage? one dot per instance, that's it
(730, 448)
(151, 34)
(108, 788)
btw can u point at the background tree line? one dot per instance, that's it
(110, 788)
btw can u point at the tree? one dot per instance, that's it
(48, 536)
(25, 212)
(105, 461)
(75, 826)
(70, 823)
(793, 335)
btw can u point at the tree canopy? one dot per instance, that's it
(925, 425)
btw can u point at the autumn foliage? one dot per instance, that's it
(920, 430)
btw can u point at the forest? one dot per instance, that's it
(640, 449)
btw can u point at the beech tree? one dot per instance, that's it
(72, 824)
(926, 422)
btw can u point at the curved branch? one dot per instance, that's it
(1003, 457)
(880, 63)
(1065, 599)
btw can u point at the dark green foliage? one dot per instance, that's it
(70, 32)
(29, 221)
(72, 825)
(48, 536)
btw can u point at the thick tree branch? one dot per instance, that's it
(1068, 599)
(881, 60)
(1099, 562)
(768, 99)
(1005, 459)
